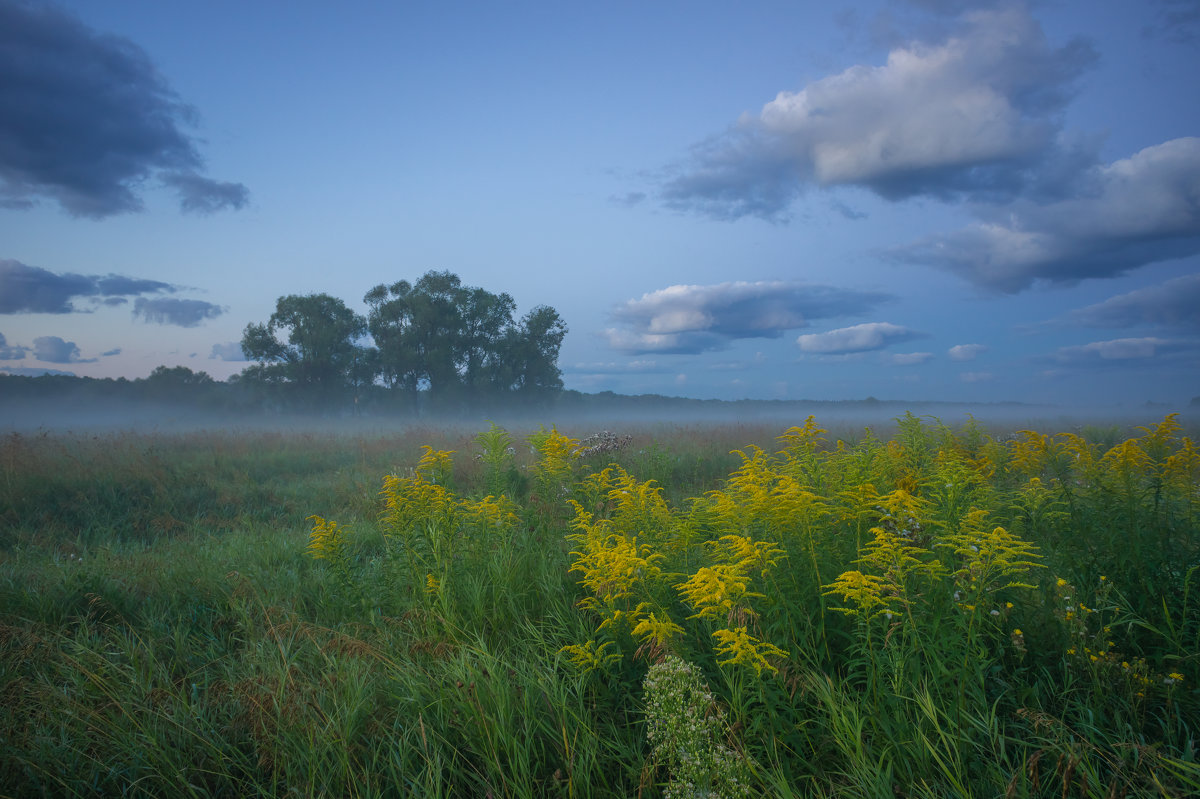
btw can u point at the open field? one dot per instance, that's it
(756, 609)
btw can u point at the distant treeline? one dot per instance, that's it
(166, 385)
(188, 393)
(177, 394)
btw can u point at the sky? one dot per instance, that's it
(921, 199)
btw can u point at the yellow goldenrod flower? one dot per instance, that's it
(715, 590)
(327, 540)
(613, 565)
(435, 465)
(750, 555)
(589, 656)
(656, 630)
(864, 590)
(741, 647)
(556, 454)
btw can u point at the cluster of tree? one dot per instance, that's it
(433, 343)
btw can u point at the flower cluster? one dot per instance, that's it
(556, 455)
(686, 729)
(603, 443)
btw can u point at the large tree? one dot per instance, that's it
(460, 343)
(321, 359)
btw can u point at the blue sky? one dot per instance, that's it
(906, 200)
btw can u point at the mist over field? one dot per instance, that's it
(579, 418)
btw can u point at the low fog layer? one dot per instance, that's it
(575, 418)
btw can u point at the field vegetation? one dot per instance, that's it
(925, 610)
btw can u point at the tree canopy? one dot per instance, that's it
(321, 358)
(433, 342)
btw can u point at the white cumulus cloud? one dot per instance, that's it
(973, 112)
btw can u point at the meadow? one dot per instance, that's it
(920, 609)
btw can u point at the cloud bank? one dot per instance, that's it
(31, 289)
(693, 319)
(1173, 304)
(977, 114)
(1135, 211)
(86, 119)
(1126, 351)
(866, 337)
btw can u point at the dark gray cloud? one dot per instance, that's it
(31, 289)
(1136, 211)
(86, 118)
(1178, 21)
(35, 290)
(53, 349)
(118, 286)
(976, 115)
(866, 337)
(168, 311)
(11, 353)
(1173, 304)
(202, 195)
(229, 351)
(111, 353)
(692, 319)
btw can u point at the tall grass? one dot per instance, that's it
(742, 611)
